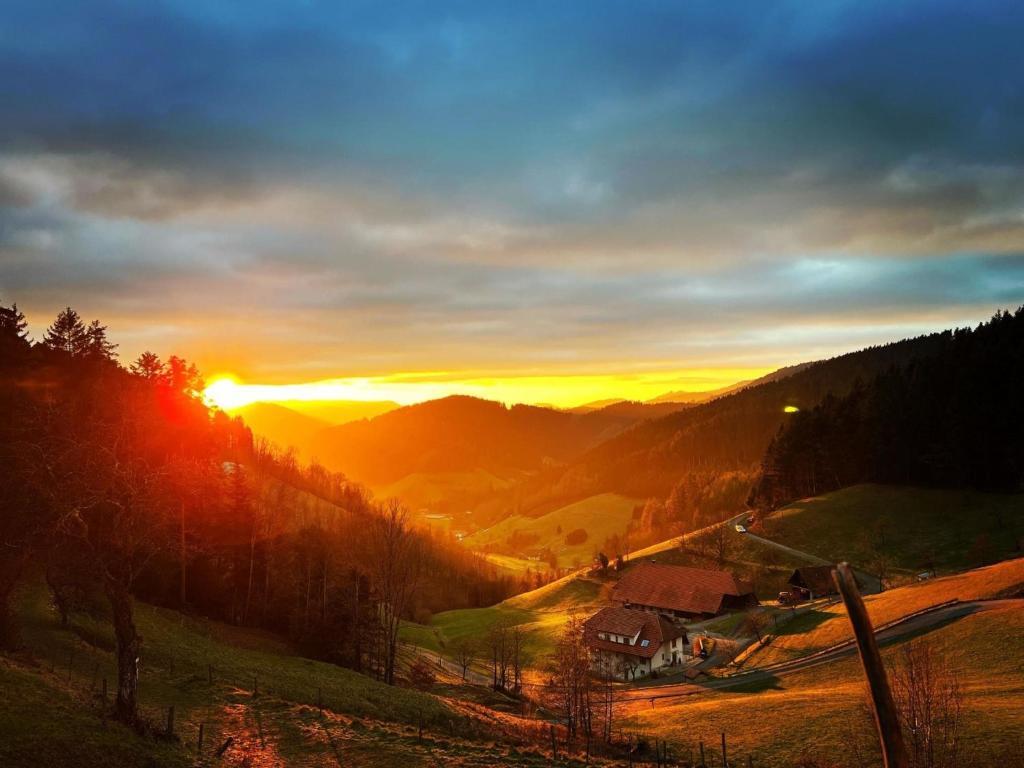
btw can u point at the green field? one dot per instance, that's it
(600, 516)
(541, 613)
(50, 714)
(431, 490)
(915, 527)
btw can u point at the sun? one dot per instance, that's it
(226, 393)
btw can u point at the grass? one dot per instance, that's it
(816, 711)
(431, 489)
(915, 526)
(541, 613)
(824, 627)
(177, 654)
(601, 516)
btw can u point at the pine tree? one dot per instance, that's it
(97, 346)
(68, 333)
(13, 332)
(148, 366)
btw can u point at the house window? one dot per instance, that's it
(645, 643)
(602, 635)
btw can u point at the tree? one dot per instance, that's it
(755, 620)
(97, 346)
(928, 694)
(148, 366)
(465, 651)
(182, 376)
(571, 678)
(396, 558)
(13, 332)
(68, 333)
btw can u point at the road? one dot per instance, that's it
(891, 633)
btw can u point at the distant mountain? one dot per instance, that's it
(280, 425)
(335, 412)
(727, 434)
(709, 395)
(294, 425)
(458, 434)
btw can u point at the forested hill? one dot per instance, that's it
(461, 433)
(726, 435)
(952, 418)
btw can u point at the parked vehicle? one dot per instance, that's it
(789, 598)
(740, 528)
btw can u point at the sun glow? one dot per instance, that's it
(228, 393)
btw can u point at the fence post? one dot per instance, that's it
(887, 719)
(199, 741)
(170, 721)
(725, 759)
(702, 761)
(224, 747)
(750, 761)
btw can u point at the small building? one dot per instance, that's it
(682, 592)
(630, 644)
(813, 581)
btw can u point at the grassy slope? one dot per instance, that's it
(919, 525)
(824, 627)
(428, 489)
(814, 710)
(542, 613)
(176, 653)
(601, 516)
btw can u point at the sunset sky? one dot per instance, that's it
(548, 202)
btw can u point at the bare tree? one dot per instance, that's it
(929, 696)
(571, 678)
(396, 562)
(465, 651)
(756, 621)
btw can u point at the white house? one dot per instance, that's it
(629, 644)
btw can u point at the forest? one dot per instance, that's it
(119, 483)
(950, 418)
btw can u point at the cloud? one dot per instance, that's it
(511, 184)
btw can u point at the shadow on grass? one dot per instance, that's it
(805, 622)
(758, 684)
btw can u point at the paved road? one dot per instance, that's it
(788, 550)
(889, 634)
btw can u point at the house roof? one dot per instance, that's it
(627, 621)
(816, 578)
(677, 588)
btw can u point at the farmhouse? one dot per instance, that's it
(682, 592)
(628, 644)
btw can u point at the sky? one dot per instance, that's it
(556, 199)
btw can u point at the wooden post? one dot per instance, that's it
(259, 727)
(750, 761)
(170, 721)
(92, 680)
(224, 747)
(702, 763)
(629, 749)
(199, 741)
(725, 758)
(887, 719)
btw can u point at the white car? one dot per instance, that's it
(740, 528)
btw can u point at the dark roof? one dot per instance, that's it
(627, 622)
(816, 578)
(678, 588)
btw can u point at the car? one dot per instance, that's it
(740, 528)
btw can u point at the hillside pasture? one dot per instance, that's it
(601, 516)
(917, 528)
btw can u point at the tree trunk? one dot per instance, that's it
(248, 588)
(128, 646)
(184, 559)
(10, 573)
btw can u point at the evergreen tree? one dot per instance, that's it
(13, 332)
(68, 333)
(96, 345)
(148, 366)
